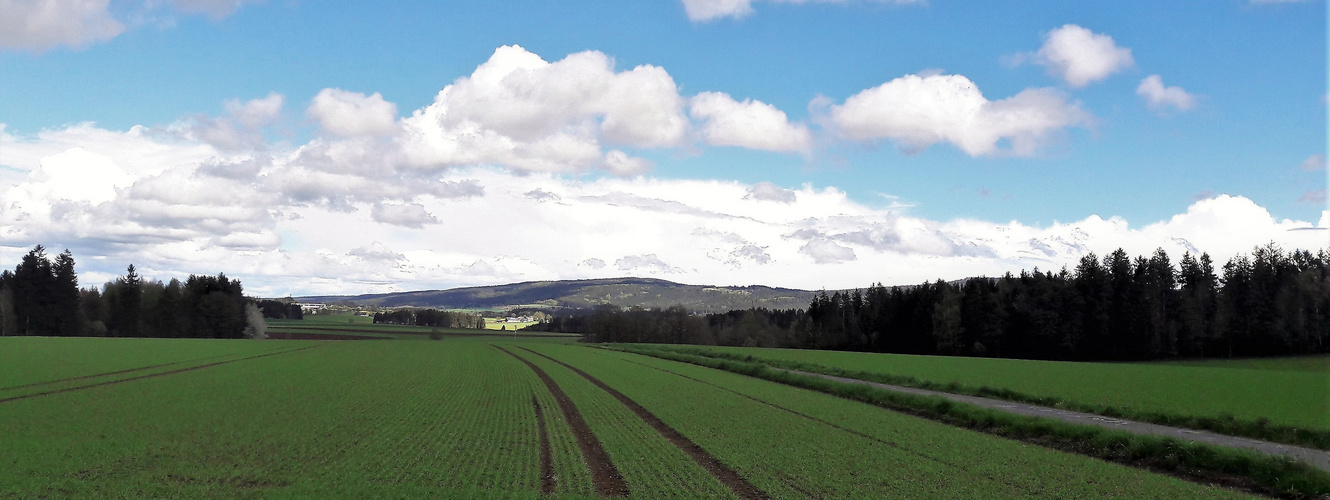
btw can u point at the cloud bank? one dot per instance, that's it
(133, 196)
(489, 184)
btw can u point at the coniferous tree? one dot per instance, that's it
(65, 296)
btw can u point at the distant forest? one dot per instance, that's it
(1117, 308)
(42, 297)
(431, 317)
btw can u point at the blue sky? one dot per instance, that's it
(1246, 122)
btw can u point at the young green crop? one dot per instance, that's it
(839, 448)
(650, 465)
(349, 419)
(32, 360)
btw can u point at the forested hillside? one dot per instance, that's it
(1268, 303)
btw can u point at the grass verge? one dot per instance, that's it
(1260, 429)
(1252, 471)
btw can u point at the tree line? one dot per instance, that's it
(278, 309)
(431, 317)
(42, 297)
(1268, 303)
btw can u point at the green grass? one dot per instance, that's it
(867, 453)
(1308, 364)
(1282, 398)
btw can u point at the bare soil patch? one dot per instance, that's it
(604, 475)
(740, 486)
(547, 480)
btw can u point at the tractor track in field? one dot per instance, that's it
(107, 374)
(95, 375)
(604, 475)
(833, 425)
(547, 479)
(152, 375)
(727, 476)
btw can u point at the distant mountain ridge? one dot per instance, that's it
(623, 292)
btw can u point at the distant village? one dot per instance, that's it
(321, 308)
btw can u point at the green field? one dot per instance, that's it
(458, 417)
(1310, 364)
(491, 324)
(1296, 398)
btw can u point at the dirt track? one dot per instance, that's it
(727, 476)
(604, 475)
(1314, 457)
(548, 481)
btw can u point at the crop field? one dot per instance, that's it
(495, 325)
(482, 416)
(1310, 364)
(1296, 398)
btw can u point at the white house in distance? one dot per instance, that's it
(310, 307)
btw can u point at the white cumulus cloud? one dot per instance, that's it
(748, 124)
(38, 25)
(917, 111)
(1160, 98)
(1080, 56)
(256, 113)
(347, 113)
(521, 112)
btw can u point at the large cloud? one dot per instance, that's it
(1080, 56)
(917, 111)
(750, 124)
(521, 112)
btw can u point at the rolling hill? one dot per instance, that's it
(623, 292)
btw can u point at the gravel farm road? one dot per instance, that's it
(1314, 457)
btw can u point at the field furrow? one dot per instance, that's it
(604, 475)
(737, 484)
(849, 449)
(651, 466)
